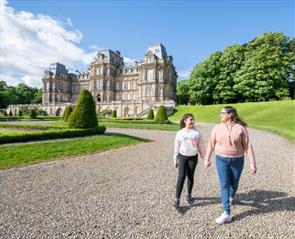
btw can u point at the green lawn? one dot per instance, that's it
(274, 116)
(172, 127)
(23, 154)
(131, 125)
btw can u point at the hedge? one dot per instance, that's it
(51, 134)
(30, 126)
(26, 118)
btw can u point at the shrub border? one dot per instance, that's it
(52, 134)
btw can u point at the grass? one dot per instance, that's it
(171, 127)
(130, 125)
(273, 116)
(30, 153)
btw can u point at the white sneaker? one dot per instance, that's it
(224, 218)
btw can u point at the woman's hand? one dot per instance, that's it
(253, 168)
(175, 163)
(207, 163)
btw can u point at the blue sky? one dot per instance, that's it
(190, 30)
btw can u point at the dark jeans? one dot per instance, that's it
(186, 167)
(229, 171)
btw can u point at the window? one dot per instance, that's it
(159, 75)
(98, 97)
(150, 74)
(158, 91)
(97, 71)
(149, 91)
(117, 97)
(99, 85)
(118, 86)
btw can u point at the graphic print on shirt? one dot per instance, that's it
(189, 145)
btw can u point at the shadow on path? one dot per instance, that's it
(261, 202)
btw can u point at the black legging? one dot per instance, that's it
(186, 167)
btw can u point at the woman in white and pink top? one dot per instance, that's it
(230, 140)
(188, 143)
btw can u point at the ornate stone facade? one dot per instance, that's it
(130, 89)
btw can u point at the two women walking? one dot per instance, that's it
(229, 140)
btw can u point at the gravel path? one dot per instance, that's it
(127, 193)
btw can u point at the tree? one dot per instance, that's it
(264, 74)
(21, 94)
(150, 114)
(231, 61)
(204, 78)
(24, 93)
(183, 96)
(3, 97)
(37, 96)
(161, 116)
(84, 115)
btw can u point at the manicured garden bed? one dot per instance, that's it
(29, 153)
(23, 136)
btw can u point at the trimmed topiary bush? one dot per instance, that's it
(67, 113)
(33, 114)
(84, 115)
(20, 113)
(161, 116)
(114, 114)
(10, 113)
(64, 113)
(150, 114)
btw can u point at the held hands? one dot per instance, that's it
(175, 163)
(207, 163)
(253, 168)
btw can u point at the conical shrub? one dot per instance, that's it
(64, 113)
(150, 114)
(114, 114)
(161, 116)
(33, 114)
(68, 112)
(84, 115)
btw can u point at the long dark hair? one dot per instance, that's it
(234, 115)
(184, 117)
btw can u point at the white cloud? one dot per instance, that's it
(184, 74)
(128, 61)
(69, 22)
(30, 42)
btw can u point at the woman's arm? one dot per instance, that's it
(201, 147)
(247, 144)
(211, 144)
(176, 146)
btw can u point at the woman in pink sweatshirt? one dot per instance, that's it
(230, 140)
